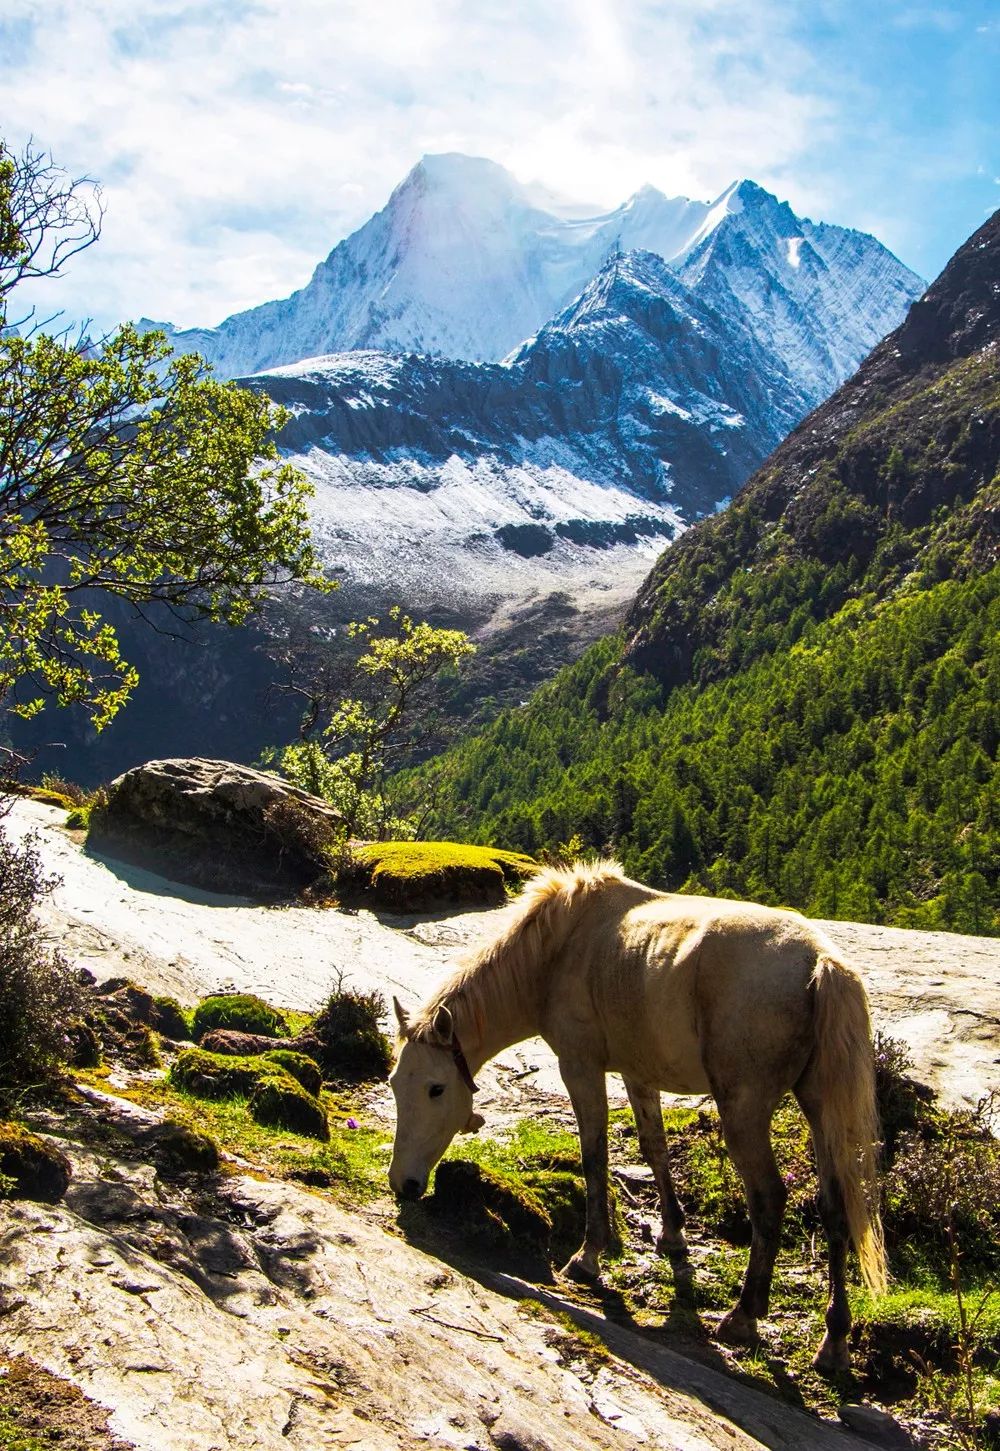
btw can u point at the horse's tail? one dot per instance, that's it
(842, 1084)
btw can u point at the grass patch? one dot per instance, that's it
(410, 875)
(352, 1164)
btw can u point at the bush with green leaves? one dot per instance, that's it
(244, 1012)
(348, 1027)
(39, 998)
(127, 472)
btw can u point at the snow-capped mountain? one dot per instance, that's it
(634, 411)
(466, 262)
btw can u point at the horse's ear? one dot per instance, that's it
(443, 1026)
(401, 1017)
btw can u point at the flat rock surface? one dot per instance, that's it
(260, 1316)
(937, 991)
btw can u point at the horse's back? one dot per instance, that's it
(687, 985)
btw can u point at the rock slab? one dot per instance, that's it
(215, 824)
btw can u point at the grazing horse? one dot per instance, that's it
(677, 993)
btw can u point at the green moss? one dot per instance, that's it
(170, 1019)
(491, 1208)
(214, 1075)
(243, 1011)
(408, 875)
(278, 1100)
(31, 1167)
(305, 1070)
(273, 1095)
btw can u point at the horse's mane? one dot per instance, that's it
(502, 971)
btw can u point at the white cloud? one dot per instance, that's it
(238, 141)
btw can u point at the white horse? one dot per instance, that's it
(678, 993)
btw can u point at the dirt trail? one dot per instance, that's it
(938, 991)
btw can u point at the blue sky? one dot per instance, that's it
(238, 140)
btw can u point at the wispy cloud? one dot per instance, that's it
(238, 141)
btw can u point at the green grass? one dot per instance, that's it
(13, 1438)
(531, 1147)
(352, 1165)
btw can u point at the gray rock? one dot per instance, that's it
(876, 1426)
(215, 824)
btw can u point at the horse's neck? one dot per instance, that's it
(483, 1035)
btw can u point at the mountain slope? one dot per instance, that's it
(805, 707)
(465, 262)
(635, 410)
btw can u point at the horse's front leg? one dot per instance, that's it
(589, 1095)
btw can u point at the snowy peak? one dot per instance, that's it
(465, 261)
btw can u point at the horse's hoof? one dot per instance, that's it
(674, 1250)
(738, 1328)
(581, 1269)
(833, 1357)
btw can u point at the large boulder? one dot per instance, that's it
(216, 824)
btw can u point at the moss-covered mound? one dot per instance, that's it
(210, 1075)
(30, 1167)
(280, 1102)
(170, 1019)
(306, 1071)
(178, 1149)
(499, 1212)
(352, 1046)
(243, 1011)
(410, 876)
(273, 1095)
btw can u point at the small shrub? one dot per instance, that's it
(352, 1044)
(277, 1100)
(305, 1071)
(243, 1011)
(30, 1167)
(52, 781)
(903, 1103)
(170, 1019)
(303, 840)
(39, 997)
(945, 1188)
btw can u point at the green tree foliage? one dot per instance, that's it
(123, 473)
(351, 743)
(853, 775)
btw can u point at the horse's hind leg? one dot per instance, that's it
(746, 1124)
(588, 1093)
(834, 1353)
(645, 1103)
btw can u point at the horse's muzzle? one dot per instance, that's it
(411, 1189)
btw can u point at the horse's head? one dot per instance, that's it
(433, 1090)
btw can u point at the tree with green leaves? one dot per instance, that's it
(124, 472)
(350, 744)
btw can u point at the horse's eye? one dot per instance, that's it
(436, 1090)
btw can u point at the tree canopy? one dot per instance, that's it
(124, 472)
